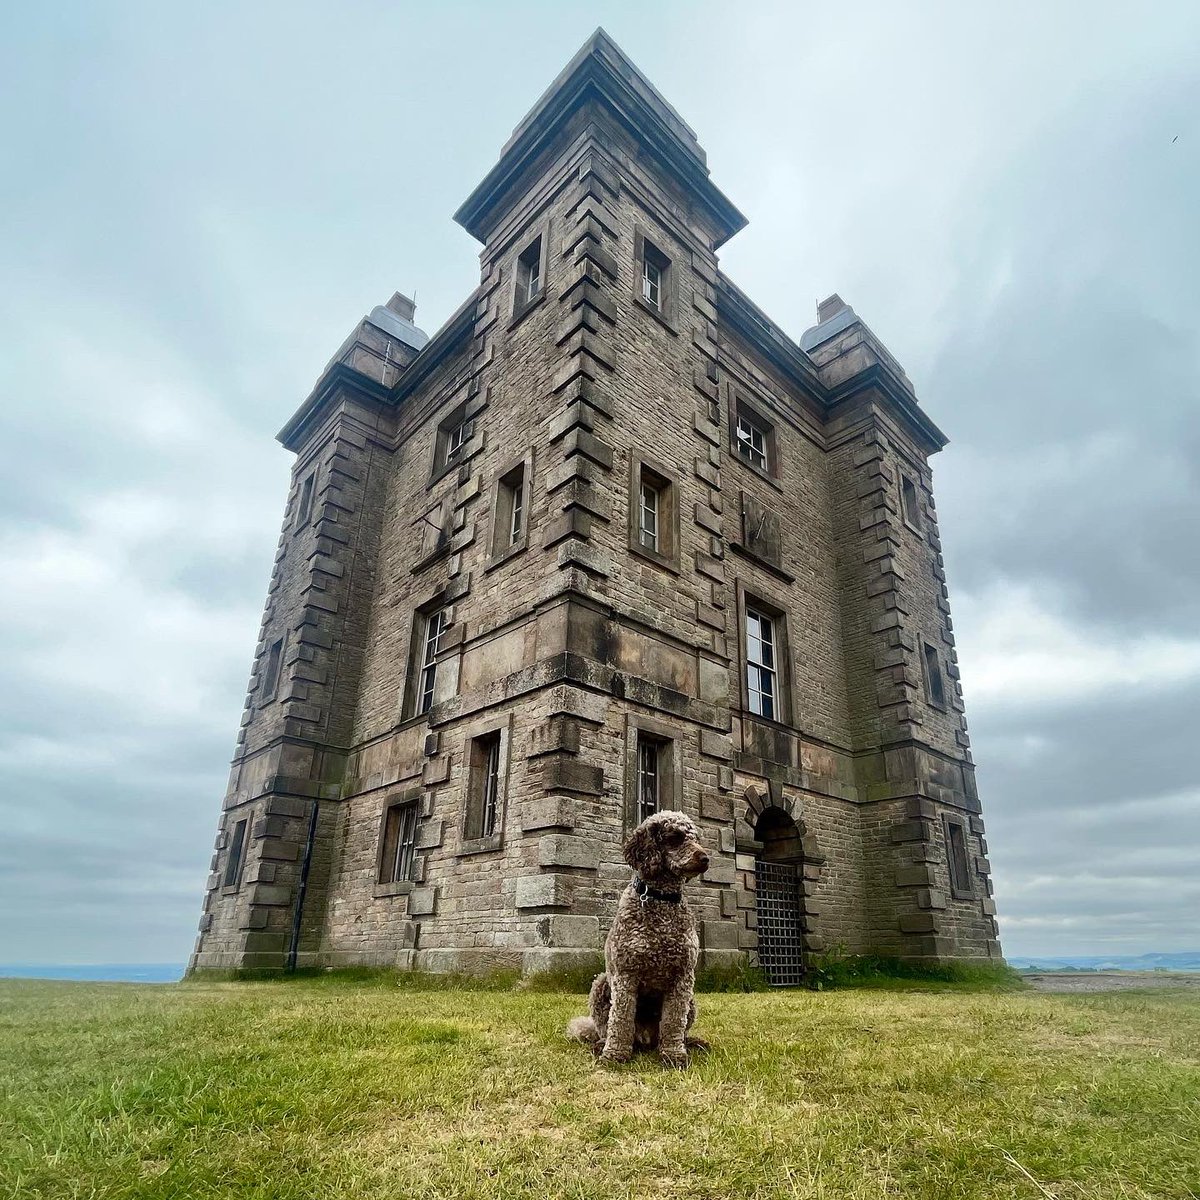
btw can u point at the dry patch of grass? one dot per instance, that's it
(289, 1090)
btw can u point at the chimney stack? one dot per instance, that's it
(402, 306)
(830, 308)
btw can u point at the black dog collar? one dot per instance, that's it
(646, 892)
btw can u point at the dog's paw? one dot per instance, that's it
(676, 1060)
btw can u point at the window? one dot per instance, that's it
(957, 858)
(752, 441)
(456, 435)
(653, 513)
(934, 686)
(510, 509)
(270, 682)
(652, 283)
(653, 771)
(399, 840)
(529, 273)
(453, 445)
(304, 508)
(761, 669)
(483, 800)
(911, 502)
(649, 777)
(233, 863)
(653, 279)
(431, 644)
(649, 503)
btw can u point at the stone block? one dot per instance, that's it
(716, 806)
(721, 871)
(422, 902)
(918, 876)
(544, 891)
(562, 930)
(560, 958)
(716, 745)
(563, 850)
(719, 935)
(570, 775)
(436, 770)
(278, 849)
(552, 812)
(714, 679)
(430, 834)
(918, 923)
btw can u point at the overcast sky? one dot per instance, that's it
(200, 201)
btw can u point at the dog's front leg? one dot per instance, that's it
(673, 1024)
(618, 1045)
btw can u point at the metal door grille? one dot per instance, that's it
(780, 950)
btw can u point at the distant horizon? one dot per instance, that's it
(172, 970)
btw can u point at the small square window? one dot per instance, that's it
(762, 672)
(397, 856)
(911, 501)
(271, 671)
(483, 801)
(453, 443)
(433, 628)
(305, 506)
(957, 858)
(529, 273)
(237, 849)
(934, 685)
(752, 440)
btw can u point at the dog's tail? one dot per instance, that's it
(583, 1029)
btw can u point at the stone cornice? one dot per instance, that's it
(743, 315)
(601, 72)
(339, 376)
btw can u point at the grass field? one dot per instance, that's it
(332, 1089)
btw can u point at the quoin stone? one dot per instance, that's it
(609, 542)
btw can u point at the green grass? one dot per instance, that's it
(348, 1089)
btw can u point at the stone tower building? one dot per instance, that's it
(609, 541)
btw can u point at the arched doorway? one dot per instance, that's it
(778, 874)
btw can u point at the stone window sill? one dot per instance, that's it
(400, 887)
(765, 476)
(660, 316)
(501, 557)
(659, 560)
(482, 845)
(521, 311)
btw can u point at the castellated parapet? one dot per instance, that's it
(609, 541)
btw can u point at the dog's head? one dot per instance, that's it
(665, 848)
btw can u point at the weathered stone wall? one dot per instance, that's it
(572, 639)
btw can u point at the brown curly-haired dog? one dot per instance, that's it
(644, 998)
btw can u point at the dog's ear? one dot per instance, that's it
(641, 850)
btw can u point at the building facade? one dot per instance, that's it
(610, 541)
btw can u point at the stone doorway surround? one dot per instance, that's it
(771, 830)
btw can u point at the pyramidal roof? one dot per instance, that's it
(601, 70)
